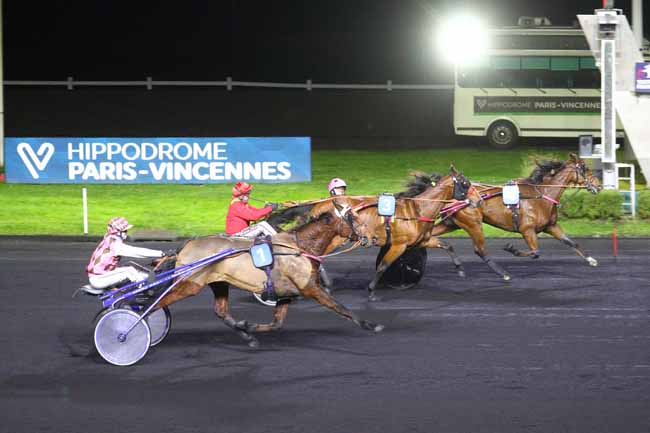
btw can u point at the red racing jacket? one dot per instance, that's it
(241, 214)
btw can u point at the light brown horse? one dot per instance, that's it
(293, 274)
(414, 218)
(539, 195)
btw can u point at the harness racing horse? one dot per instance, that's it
(416, 212)
(419, 185)
(295, 271)
(540, 195)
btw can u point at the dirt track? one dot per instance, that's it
(562, 348)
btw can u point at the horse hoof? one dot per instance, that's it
(254, 344)
(461, 274)
(592, 261)
(506, 278)
(378, 328)
(374, 298)
(242, 325)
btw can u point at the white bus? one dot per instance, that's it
(533, 82)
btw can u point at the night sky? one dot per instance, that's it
(334, 41)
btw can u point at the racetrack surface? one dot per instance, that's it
(563, 347)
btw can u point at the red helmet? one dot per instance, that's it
(118, 225)
(241, 188)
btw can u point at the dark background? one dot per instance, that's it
(334, 41)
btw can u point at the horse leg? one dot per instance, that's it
(183, 290)
(279, 314)
(322, 297)
(222, 310)
(478, 239)
(325, 279)
(434, 242)
(556, 231)
(531, 240)
(392, 254)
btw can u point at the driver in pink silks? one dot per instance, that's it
(102, 269)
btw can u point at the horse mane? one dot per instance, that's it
(325, 216)
(543, 169)
(289, 215)
(419, 183)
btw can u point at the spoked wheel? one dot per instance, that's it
(270, 302)
(160, 322)
(112, 342)
(407, 271)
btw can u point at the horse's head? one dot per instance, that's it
(582, 175)
(348, 221)
(463, 189)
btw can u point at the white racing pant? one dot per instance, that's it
(115, 276)
(254, 230)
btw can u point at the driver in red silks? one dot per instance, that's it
(241, 214)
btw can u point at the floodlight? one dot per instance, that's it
(463, 39)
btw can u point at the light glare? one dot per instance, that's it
(463, 40)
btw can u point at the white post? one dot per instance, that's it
(637, 21)
(607, 32)
(84, 199)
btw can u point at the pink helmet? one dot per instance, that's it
(336, 183)
(118, 225)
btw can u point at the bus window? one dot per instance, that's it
(506, 62)
(536, 62)
(587, 63)
(564, 64)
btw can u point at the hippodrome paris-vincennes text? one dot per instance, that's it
(163, 160)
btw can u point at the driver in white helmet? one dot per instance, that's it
(103, 270)
(337, 186)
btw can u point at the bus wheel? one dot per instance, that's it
(502, 135)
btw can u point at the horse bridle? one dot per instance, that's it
(462, 187)
(581, 170)
(346, 213)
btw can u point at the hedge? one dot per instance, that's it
(643, 204)
(604, 205)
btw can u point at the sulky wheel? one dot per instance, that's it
(407, 271)
(112, 342)
(160, 322)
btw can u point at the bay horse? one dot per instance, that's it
(295, 270)
(540, 194)
(416, 212)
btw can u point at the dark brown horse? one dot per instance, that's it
(416, 212)
(539, 195)
(294, 273)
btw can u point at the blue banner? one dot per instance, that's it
(157, 160)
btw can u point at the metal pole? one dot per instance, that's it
(607, 32)
(84, 199)
(637, 21)
(2, 101)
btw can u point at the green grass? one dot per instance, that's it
(200, 209)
